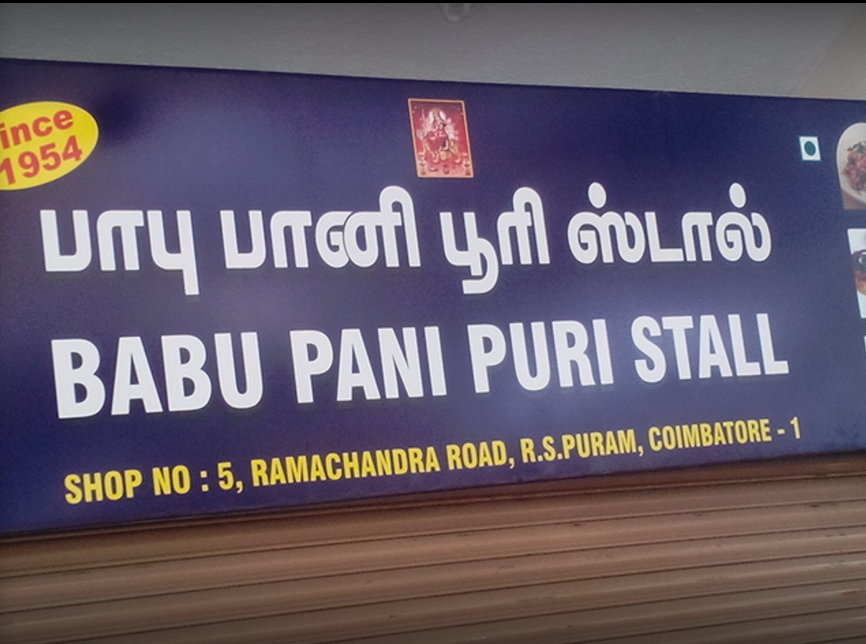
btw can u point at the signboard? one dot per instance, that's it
(229, 291)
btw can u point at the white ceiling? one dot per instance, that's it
(771, 49)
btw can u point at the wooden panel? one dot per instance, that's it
(743, 554)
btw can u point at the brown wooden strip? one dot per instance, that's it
(65, 588)
(307, 599)
(155, 544)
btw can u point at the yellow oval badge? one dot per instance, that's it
(41, 142)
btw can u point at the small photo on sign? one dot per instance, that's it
(441, 139)
(851, 163)
(857, 244)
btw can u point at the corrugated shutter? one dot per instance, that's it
(749, 553)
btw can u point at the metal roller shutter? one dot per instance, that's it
(772, 552)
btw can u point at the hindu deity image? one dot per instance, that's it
(441, 138)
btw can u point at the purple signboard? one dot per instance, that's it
(231, 291)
